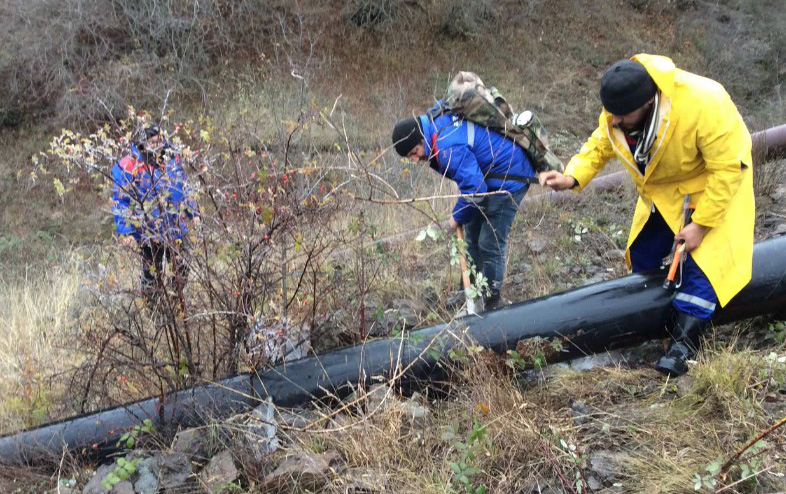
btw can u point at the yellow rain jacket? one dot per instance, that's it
(703, 148)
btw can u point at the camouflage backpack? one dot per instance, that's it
(469, 98)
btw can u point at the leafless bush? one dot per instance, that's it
(379, 15)
(466, 19)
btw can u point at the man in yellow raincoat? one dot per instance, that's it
(686, 147)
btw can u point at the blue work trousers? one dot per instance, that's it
(487, 234)
(694, 295)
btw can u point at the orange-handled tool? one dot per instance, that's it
(675, 263)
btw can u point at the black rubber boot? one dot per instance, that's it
(493, 301)
(685, 341)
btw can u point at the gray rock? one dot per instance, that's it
(94, 486)
(516, 279)
(594, 269)
(193, 442)
(404, 313)
(363, 480)
(684, 385)
(779, 194)
(580, 412)
(595, 279)
(261, 429)
(380, 397)
(536, 245)
(174, 471)
(616, 254)
(594, 484)
(297, 418)
(124, 487)
(780, 229)
(607, 464)
(306, 471)
(147, 477)
(415, 412)
(219, 472)
(610, 358)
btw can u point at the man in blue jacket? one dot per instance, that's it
(151, 203)
(490, 171)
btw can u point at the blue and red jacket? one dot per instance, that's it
(150, 202)
(476, 158)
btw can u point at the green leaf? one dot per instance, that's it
(421, 236)
(454, 466)
(481, 489)
(715, 466)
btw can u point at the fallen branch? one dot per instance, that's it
(731, 461)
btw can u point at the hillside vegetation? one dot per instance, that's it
(284, 112)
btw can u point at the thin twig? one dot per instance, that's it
(743, 480)
(429, 198)
(731, 461)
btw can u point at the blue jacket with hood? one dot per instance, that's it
(150, 202)
(476, 158)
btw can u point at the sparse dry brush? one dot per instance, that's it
(266, 264)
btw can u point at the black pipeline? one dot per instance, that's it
(586, 320)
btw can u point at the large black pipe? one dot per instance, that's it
(587, 320)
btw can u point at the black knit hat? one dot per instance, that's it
(625, 87)
(406, 135)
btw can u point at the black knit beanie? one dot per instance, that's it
(625, 87)
(406, 135)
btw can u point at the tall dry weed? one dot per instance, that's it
(34, 325)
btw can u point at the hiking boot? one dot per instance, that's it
(456, 300)
(685, 342)
(492, 301)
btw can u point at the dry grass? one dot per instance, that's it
(34, 324)
(659, 434)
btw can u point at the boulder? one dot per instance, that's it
(124, 487)
(94, 486)
(219, 472)
(147, 477)
(306, 471)
(192, 442)
(174, 471)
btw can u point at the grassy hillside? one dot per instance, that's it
(285, 110)
(383, 59)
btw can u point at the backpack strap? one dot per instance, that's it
(516, 178)
(470, 133)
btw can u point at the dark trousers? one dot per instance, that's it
(153, 256)
(695, 295)
(487, 235)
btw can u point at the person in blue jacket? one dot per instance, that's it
(151, 202)
(491, 172)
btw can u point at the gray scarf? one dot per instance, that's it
(646, 137)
